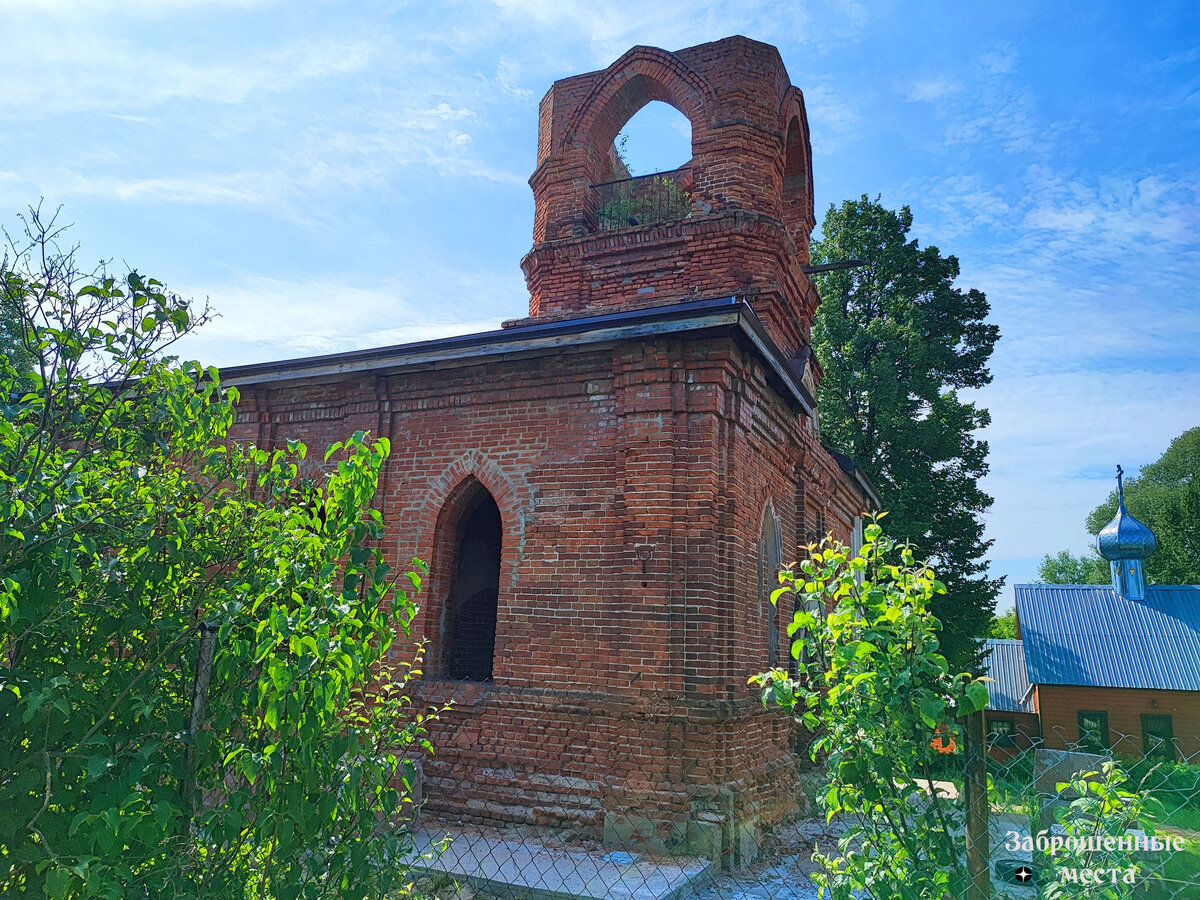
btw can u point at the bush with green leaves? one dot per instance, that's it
(872, 685)
(1097, 830)
(129, 524)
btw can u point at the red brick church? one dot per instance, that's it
(603, 489)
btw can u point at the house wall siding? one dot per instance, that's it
(1059, 705)
(1027, 733)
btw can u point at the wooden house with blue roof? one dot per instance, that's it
(1011, 718)
(1109, 667)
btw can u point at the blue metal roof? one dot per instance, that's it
(1008, 690)
(1089, 635)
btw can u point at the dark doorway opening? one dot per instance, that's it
(471, 615)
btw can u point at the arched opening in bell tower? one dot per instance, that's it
(658, 138)
(646, 175)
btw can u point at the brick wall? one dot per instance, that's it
(751, 174)
(610, 670)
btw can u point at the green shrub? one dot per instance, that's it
(873, 687)
(128, 526)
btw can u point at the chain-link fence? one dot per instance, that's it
(555, 793)
(1115, 817)
(558, 792)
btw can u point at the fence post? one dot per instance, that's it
(204, 659)
(979, 873)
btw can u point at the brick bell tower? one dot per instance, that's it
(604, 490)
(734, 221)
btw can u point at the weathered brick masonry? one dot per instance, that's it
(648, 437)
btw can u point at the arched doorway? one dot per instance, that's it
(470, 623)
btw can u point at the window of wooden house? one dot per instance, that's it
(1158, 737)
(1001, 732)
(1093, 731)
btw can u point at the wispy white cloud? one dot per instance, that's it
(59, 72)
(1088, 276)
(508, 76)
(328, 315)
(1051, 439)
(1115, 218)
(932, 89)
(347, 127)
(1000, 60)
(834, 117)
(610, 28)
(1003, 117)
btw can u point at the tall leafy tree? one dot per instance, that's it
(13, 347)
(194, 635)
(1066, 568)
(898, 342)
(1165, 496)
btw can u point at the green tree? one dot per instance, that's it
(1003, 626)
(132, 533)
(12, 340)
(1165, 496)
(1064, 568)
(898, 342)
(874, 688)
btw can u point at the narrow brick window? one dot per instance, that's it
(471, 614)
(770, 553)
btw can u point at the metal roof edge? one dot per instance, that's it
(694, 315)
(754, 330)
(851, 467)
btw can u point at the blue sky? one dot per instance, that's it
(334, 176)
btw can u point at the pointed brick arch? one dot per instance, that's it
(508, 489)
(799, 213)
(448, 497)
(769, 558)
(643, 74)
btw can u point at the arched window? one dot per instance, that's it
(795, 166)
(470, 624)
(658, 138)
(648, 175)
(770, 557)
(797, 196)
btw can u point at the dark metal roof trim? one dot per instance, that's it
(854, 470)
(691, 316)
(1009, 689)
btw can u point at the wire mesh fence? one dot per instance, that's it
(569, 793)
(1070, 816)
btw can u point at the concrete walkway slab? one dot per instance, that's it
(528, 869)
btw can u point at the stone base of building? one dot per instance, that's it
(646, 774)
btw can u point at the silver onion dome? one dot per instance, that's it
(1124, 537)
